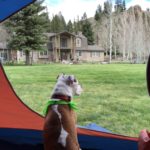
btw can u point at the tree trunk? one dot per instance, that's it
(110, 39)
(27, 57)
(115, 52)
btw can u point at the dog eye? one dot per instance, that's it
(74, 80)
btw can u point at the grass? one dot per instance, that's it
(115, 95)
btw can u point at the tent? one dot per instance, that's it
(10, 7)
(21, 127)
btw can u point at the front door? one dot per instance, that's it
(65, 55)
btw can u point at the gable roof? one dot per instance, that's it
(60, 33)
(93, 48)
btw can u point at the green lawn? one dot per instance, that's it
(115, 96)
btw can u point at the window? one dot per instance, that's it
(22, 53)
(44, 53)
(80, 53)
(78, 42)
(63, 42)
(3, 55)
(95, 54)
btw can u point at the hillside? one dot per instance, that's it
(130, 33)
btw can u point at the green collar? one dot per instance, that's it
(71, 104)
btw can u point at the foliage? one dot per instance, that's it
(77, 25)
(124, 5)
(98, 13)
(120, 6)
(87, 29)
(27, 29)
(70, 26)
(107, 7)
(114, 96)
(58, 23)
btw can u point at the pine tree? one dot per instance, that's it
(87, 29)
(62, 22)
(55, 24)
(70, 26)
(120, 6)
(75, 29)
(98, 13)
(58, 23)
(107, 8)
(97, 16)
(77, 25)
(27, 29)
(124, 5)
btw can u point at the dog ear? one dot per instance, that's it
(62, 74)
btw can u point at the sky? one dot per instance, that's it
(73, 9)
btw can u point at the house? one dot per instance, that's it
(4, 53)
(88, 53)
(67, 46)
(63, 46)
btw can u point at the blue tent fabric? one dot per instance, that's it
(33, 137)
(9, 7)
(93, 126)
(25, 139)
(102, 143)
(20, 139)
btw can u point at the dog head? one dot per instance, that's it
(70, 83)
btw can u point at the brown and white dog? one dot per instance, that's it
(60, 122)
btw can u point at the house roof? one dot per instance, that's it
(95, 47)
(50, 34)
(60, 33)
(90, 48)
(80, 35)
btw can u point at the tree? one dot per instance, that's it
(58, 23)
(62, 22)
(148, 9)
(75, 29)
(97, 16)
(55, 24)
(110, 28)
(77, 25)
(27, 29)
(108, 13)
(70, 26)
(87, 29)
(120, 6)
(124, 5)
(107, 8)
(98, 13)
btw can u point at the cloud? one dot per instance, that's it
(71, 9)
